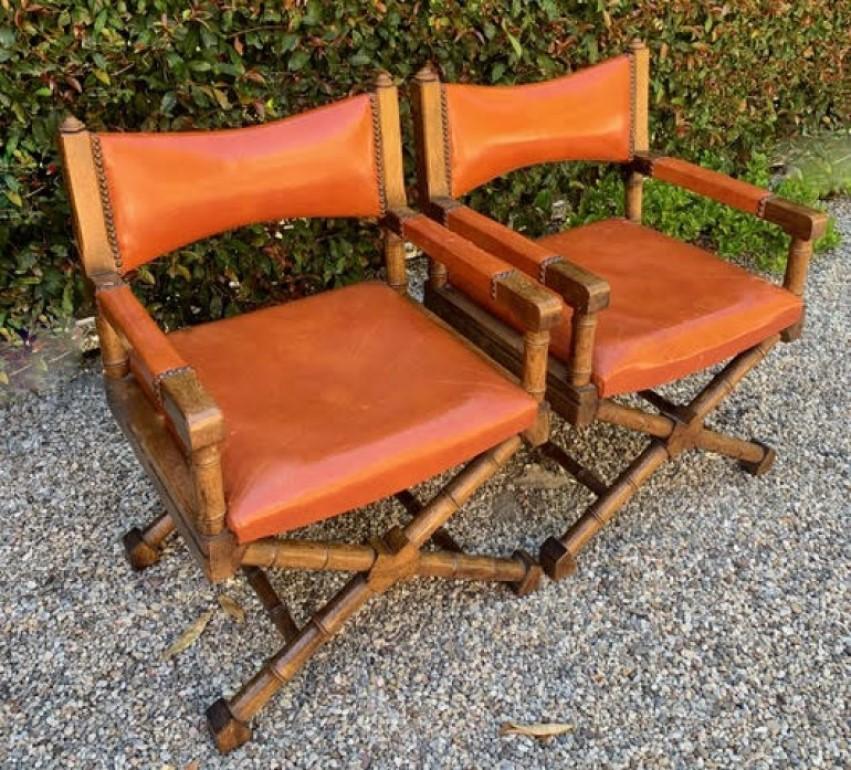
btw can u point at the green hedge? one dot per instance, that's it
(727, 79)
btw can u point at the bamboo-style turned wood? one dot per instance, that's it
(344, 557)
(535, 348)
(441, 538)
(797, 266)
(584, 476)
(394, 260)
(583, 329)
(275, 608)
(114, 357)
(633, 195)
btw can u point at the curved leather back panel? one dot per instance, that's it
(495, 129)
(169, 189)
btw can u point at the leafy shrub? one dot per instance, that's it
(728, 78)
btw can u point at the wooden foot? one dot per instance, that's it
(556, 560)
(228, 732)
(142, 547)
(532, 579)
(138, 552)
(759, 467)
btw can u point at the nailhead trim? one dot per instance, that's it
(105, 201)
(158, 379)
(633, 107)
(379, 152)
(444, 120)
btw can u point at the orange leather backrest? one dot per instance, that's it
(161, 191)
(491, 130)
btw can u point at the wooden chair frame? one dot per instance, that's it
(179, 443)
(672, 428)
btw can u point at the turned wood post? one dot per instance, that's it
(535, 348)
(113, 353)
(797, 266)
(582, 348)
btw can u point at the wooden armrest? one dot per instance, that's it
(584, 291)
(194, 415)
(136, 328)
(196, 419)
(798, 221)
(531, 304)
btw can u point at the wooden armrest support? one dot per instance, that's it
(536, 308)
(798, 221)
(194, 415)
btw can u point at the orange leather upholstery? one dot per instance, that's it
(340, 399)
(675, 309)
(152, 353)
(495, 129)
(170, 189)
(703, 181)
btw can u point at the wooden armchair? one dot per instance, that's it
(642, 309)
(257, 425)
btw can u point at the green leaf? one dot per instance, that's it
(298, 60)
(515, 43)
(14, 197)
(102, 76)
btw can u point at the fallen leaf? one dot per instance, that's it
(538, 477)
(193, 765)
(188, 637)
(232, 608)
(543, 731)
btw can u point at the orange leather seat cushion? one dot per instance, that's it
(675, 308)
(338, 400)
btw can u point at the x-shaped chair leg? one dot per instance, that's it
(388, 560)
(676, 429)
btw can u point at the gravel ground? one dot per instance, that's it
(707, 627)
